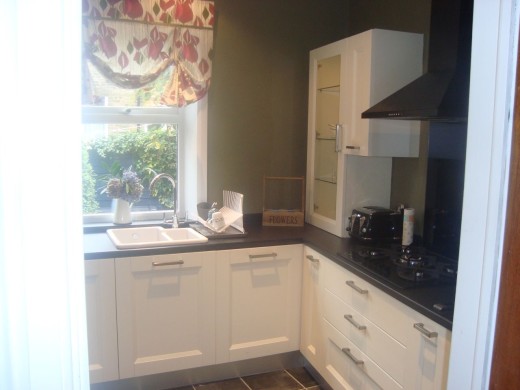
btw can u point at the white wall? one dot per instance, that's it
(193, 157)
(487, 160)
(43, 343)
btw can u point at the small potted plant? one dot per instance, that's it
(125, 190)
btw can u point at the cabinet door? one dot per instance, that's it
(311, 329)
(325, 167)
(348, 368)
(258, 302)
(429, 346)
(100, 295)
(165, 311)
(377, 64)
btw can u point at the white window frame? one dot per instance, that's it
(192, 151)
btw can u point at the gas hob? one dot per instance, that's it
(404, 267)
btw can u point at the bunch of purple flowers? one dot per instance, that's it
(128, 187)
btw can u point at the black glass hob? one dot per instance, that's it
(404, 267)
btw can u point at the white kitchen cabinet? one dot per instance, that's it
(101, 320)
(165, 312)
(311, 329)
(338, 182)
(348, 368)
(258, 296)
(325, 162)
(431, 345)
(377, 64)
(187, 310)
(370, 340)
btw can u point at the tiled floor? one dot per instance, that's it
(290, 379)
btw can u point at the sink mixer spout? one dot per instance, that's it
(154, 181)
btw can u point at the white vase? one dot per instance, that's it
(121, 212)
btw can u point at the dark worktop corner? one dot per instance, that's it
(97, 245)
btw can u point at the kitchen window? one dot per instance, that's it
(127, 129)
(146, 73)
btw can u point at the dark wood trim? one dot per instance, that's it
(505, 370)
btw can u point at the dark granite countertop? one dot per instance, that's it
(98, 245)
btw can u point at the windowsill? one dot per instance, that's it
(101, 227)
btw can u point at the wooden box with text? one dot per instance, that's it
(284, 201)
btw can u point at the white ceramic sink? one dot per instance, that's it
(153, 236)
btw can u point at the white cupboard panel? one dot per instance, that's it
(347, 367)
(311, 342)
(258, 302)
(165, 310)
(101, 320)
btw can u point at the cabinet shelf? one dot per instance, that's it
(319, 138)
(333, 89)
(326, 179)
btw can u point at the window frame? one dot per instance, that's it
(192, 151)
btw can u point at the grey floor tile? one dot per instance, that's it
(229, 384)
(302, 376)
(278, 380)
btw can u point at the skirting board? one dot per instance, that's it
(206, 374)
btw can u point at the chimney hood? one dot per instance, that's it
(442, 93)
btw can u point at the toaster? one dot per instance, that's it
(374, 223)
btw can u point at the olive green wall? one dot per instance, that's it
(402, 15)
(257, 104)
(257, 107)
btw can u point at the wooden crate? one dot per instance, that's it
(284, 201)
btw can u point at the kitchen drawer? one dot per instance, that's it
(346, 367)
(384, 350)
(265, 257)
(383, 310)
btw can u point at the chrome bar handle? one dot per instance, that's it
(339, 131)
(351, 319)
(356, 361)
(178, 262)
(252, 257)
(312, 259)
(352, 284)
(420, 327)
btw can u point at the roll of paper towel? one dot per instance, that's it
(408, 220)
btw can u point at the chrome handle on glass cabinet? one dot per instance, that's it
(312, 259)
(352, 284)
(339, 132)
(351, 319)
(420, 327)
(347, 352)
(178, 262)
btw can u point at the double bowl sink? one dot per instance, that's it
(154, 236)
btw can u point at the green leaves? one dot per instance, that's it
(153, 150)
(90, 204)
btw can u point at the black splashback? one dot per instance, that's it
(445, 188)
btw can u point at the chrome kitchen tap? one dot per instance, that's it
(154, 181)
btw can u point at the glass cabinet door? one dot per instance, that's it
(326, 138)
(325, 160)
(340, 175)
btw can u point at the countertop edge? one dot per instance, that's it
(98, 246)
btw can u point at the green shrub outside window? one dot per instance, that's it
(147, 149)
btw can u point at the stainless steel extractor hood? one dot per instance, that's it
(442, 93)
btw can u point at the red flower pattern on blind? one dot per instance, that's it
(133, 41)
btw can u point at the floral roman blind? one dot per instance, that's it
(132, 42)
